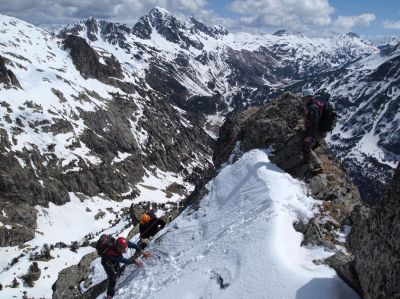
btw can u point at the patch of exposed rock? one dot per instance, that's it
(7, 77)
(87, 61)
(67, 284)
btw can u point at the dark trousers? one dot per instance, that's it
(310, 157)
(112, 274)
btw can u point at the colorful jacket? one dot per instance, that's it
(115, 256)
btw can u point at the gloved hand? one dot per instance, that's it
(147, 254)
(137, 262)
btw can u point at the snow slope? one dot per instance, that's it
(76, 221)
(239, 244)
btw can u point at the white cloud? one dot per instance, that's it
(65, 11)
(391, 24)
(311, 16)
(297, 15)
(346, 23)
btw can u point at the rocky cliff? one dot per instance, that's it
(374, 242)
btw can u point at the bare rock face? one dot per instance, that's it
(18, 225)
(67, 284)
(375, 244)
(87, 60)
(7, 76)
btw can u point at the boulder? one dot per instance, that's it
(69, 279)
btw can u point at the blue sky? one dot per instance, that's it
(384, 10)
(314, 17)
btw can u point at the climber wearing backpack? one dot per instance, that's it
(111, 251)
(312, 132)
(148, 227)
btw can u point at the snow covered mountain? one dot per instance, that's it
(204, 68)
(75, 125)
(367, 137)
(209, 71)
(100, 115)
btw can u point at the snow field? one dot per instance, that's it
(240, 243)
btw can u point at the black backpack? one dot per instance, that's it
(327, 119)
(104, 243)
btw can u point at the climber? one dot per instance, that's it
(148, 227)
(112, 258)
(312, 135)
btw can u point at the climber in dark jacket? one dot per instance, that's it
(312, 134)
(113, 257)
(148, 227)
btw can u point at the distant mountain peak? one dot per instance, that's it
(160, 13)
(281, 32)
(212, 31)
(352, 34)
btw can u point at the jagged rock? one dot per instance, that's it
(318, 184)
(67, 284)
(279, 125)
(375, 243)
(344, 266)
(87, 60)
(19, 225)
(7, 76)
(142, 28)
(15, 235)
(171, 28)
(176, 188)
(313, 235)
(211, 31)
(300, 226)
(135, 212)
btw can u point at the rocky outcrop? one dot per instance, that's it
(87, 61)
(375, 244)
(345, 268)
(69, 279)
(278, 126)
(19, 223)
(7, 77)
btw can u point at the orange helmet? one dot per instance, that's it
(145, 218)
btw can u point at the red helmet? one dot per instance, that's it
(121, 244)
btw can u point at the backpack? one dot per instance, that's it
(328, 116)
(104, 243)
